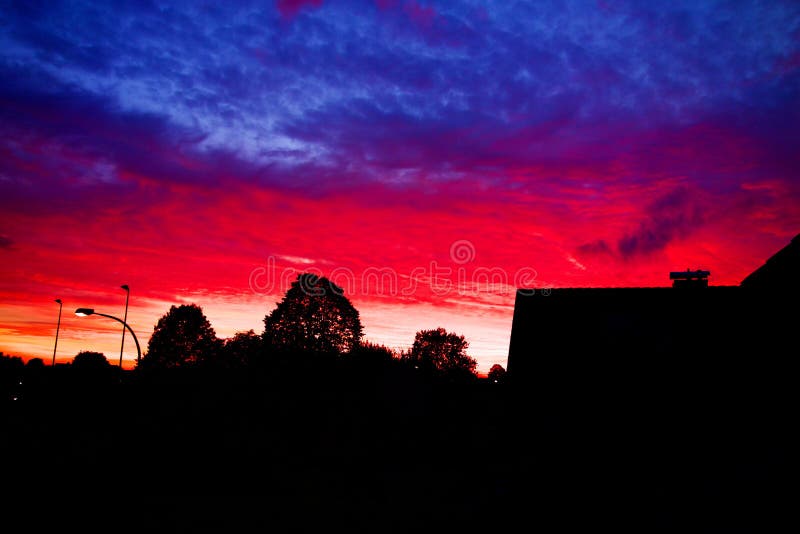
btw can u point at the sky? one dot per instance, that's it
(428, 156)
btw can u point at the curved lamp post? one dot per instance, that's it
(124, 321)
(83, 312)
(58, 327)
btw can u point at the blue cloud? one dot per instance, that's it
(445, 86)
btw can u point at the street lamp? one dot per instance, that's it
(124, 321)
(58, 327)
(83, 312)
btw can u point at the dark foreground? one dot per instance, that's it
(379, 449)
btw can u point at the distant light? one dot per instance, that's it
(83, 312)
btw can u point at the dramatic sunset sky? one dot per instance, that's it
(430, 156)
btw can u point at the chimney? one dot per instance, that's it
(689, 279)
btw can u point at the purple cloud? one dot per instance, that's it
(512, 99)
(672, 216)
(290, 8)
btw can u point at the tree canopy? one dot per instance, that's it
(87, 360)
(314, 316)
(497, 373)
(441, 351)
(242, 350)
(182, 337)
(35, 363)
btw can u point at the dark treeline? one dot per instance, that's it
(305, 427)
(322, 425)
(365, 441)
(313, 321)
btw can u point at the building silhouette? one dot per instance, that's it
(658, 405)
(691, 329)
(781, 272)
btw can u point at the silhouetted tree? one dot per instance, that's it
(35, 364)
(496, 373)
(375, 351)
(182, 337)
(441, 351)
(243, 349)
(10, 364)
(314, 316)
(87, 360)
(11, 369)
(34, 373)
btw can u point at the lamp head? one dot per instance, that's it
(83, 312)
(57, 300)
(125, 287)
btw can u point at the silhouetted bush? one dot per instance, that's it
(244, 349)
(35, 364)
(497, 374)
(89, 361)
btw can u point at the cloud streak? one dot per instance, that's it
(673, 216)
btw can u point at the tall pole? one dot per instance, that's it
(58, 327)
(124, 321)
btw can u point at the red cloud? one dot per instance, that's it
(200, 244)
